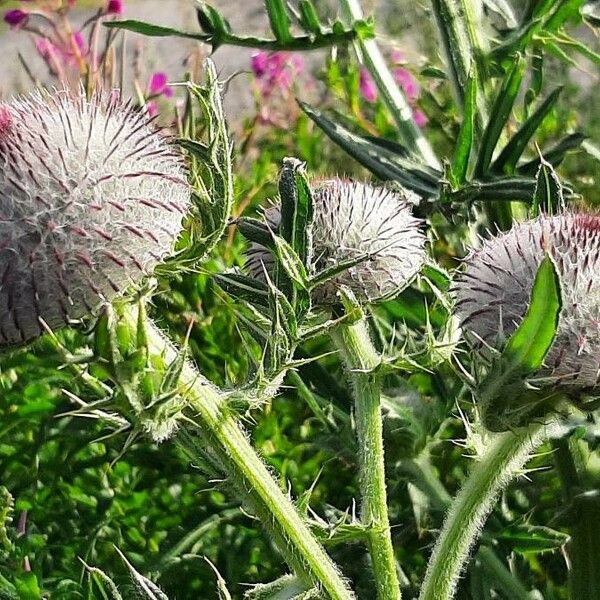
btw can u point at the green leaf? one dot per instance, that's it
(28, 587)
(296, 208)
(507, 161)
(529, 344)
(382, 162)
(548, 197)
(554, 155)
(525, 538)
(309, 18)
(500, 114)
(464, 144)
(152, 30)
(256, 231)
(279, 20)
(499, 189)
(245, 288)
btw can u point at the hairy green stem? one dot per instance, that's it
(459, 27)
(420, 472)
(250, 476)
(392, 95)
(361, 359)
(584, 506)
(501, 462)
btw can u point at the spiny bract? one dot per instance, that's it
(354, 220)
(92, 196)
(493, 292)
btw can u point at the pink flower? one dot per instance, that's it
(259, 63)
(367, 86)
(46, 49)
(115, 7)
(16, 17)
(80, 43)
(407, 82)
(152, 108)
(159, 85)
(420, 118)
(397, 57)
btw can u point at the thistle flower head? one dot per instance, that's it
(91, 198)
(493, 292)
(354, 220)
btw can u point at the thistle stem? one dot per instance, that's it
(361, 360)
(584, 506)
(392, 95)
(250, 476)
(501, 462)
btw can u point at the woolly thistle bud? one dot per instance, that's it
(91, 199)
(354, 220)
(493, 292)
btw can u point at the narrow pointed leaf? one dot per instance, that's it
(279, 20)
(554, 155)
(510, 155)
(464, 144)
(500, 114)
(381, 161)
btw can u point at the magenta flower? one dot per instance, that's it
(407, 82)
(276, 71)
(420, 118)
(80, 43)
(16, 17)
(259, 63)
(159, 85)
(367, 86)
(115, 7)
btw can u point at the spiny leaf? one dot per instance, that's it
(382, 162)
(548, 197)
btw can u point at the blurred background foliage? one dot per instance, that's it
(79, 489)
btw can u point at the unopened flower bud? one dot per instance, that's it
(92, 197)
(355, 220)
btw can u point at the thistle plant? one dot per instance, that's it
(528, 304)
(360, 245)
(93, 198)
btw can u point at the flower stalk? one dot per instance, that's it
(361, 359)
(501, 462)
(250, 476)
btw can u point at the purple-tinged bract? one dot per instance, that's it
(92, 197)
(493, 292)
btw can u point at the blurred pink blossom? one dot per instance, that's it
(367, 86)
(16, 17)
(420, 118)
(159, 85)
(115, 7)
(408, 83)
(276, 71)
(397, 57)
